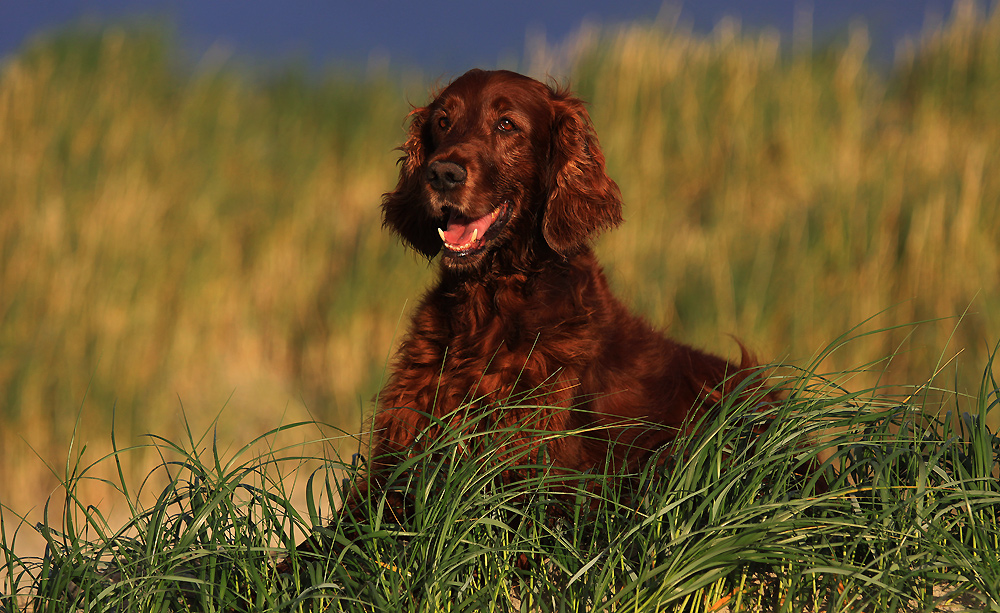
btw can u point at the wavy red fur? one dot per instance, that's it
(531, 307)
(525, 306)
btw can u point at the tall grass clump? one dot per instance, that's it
(828, 501)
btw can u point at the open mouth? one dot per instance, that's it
(463, 235)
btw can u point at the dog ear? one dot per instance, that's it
(582, 198)
(403, 210)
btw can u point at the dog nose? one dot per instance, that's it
(445, 175)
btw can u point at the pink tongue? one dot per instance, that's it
(459, 230)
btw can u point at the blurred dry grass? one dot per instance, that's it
(788, 199)
(213, 239)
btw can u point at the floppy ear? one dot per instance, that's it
(582, 200)
(404, 210)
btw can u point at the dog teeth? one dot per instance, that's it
(453, 247)
(472, 240)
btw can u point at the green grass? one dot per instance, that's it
(831, 501)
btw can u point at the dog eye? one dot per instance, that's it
(443, 122)
(506, 125)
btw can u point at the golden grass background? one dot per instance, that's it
(182, 244)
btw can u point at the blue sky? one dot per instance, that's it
(437, 35)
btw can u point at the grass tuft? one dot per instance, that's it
(828, 501)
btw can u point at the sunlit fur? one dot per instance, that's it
(532, 310)
(531, 313)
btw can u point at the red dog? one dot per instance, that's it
(504, 176)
